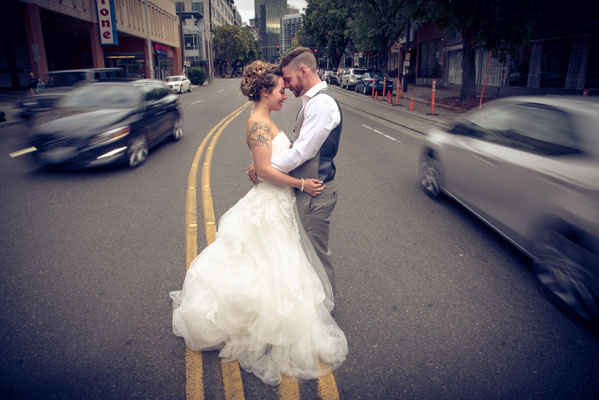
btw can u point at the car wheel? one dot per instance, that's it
(177, 130)
(181, 89)
(430, 176)
(138, 151)
(561, 267)
(189, 90)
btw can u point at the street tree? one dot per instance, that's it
(325, 24)
(496, 25)
(235, 45)
(377, 25)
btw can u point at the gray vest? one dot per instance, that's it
(321, 165)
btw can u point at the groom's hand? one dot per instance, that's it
(251, 173)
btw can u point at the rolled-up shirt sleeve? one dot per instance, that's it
(321, 116)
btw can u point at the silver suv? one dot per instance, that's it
(351, 77)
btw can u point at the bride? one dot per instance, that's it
(259, 293)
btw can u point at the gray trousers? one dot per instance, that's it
(315, 215)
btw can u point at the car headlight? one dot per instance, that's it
(110, 136)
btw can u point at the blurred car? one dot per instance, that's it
(324, 74)
(332, 79)
(179, 83)
(61, 82)
(107, 122)
(351, 77)
(364, 85)
(529, 168)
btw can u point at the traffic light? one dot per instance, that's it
(315, 51)
(277, 48)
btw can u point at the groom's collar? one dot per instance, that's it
(313, 91)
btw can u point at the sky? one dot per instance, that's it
(246, 8)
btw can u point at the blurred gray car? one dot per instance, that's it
(529, 168)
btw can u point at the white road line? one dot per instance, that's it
(366, 126)
(196, 102)
(379, 132)
(220, 91)
(389, 137)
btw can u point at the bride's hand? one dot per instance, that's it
(251, 174)
(313, 187)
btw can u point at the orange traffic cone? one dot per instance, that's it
(389, 96)
(376, 95)
(411, 104)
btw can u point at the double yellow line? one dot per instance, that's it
(233, 386)
(194, 386)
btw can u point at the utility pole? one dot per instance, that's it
(406, 58)
(150, 61)
(210, 63)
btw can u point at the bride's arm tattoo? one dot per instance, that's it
(259, 135)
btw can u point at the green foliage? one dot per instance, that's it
(235, 45)
(196, 75)
(325, 26)
(377, 24)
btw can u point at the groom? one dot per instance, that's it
(315, 141)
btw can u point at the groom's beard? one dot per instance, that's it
(298, 89)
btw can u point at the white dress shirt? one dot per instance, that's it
(321, 116)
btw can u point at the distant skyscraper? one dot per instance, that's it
(290, 24)
(268, 23)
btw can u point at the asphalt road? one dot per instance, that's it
(434, 304)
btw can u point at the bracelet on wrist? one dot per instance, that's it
(302, 189)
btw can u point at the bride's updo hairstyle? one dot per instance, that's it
(259, 75)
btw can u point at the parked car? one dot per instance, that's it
(342, 71)
(179, 83)
(364, 85)
(61, 82)
(351, 77)
(528, 167)
(107, 122)
(332, 79)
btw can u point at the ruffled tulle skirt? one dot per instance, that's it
(260, 294)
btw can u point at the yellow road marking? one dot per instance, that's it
(327, 387)
(289, 389)
(194, 377)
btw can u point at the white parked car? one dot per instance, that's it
(179, 83)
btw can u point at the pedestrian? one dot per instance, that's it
(259, 292)
(315, 141)
(32, 83)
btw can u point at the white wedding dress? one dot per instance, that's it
(260, 293)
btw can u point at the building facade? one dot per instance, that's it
(290, 25)
(268, 21)
(66, 34)
(558, 59)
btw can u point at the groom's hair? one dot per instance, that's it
(299, 56)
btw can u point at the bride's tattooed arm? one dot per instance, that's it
(259, 135)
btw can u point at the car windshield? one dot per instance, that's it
(359, 71)
(102, 96)
(173, 79)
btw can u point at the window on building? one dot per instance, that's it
(430, 59)
(191, 41)
(197, 6)
(180, 6)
